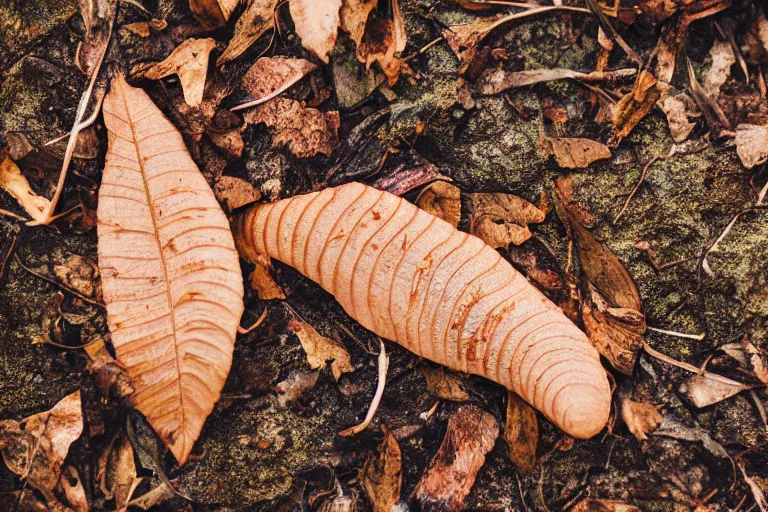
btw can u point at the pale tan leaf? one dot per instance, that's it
(13, 182)
(257, 18)
(320, 349)
(576, 153)
(317, 24)
(521, 432)
(445, 385)
(170, 273)
(381, 476)
(641, 417)
(723, 58)
(499, 80)
(212, 13)
(752, 144)
(270, 76)
(443, 200)
(678, 114)
(354, 15)
(265, 286)
(707, 388)
(116, 470)
(501, 219)
(189, 61)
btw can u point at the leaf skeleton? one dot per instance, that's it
(411, 277)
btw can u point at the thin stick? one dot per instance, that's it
(60, 285)
(257, 323)
(8, 256)
(85, 124)
(424, 48)
(703, 263)
(697, 337)
(383, 365)
(14, 215)
(669, 360)
(637, 186)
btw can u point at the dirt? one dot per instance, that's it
(252, 450)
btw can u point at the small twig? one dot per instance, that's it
(697, 337)
(703, 263)
(424, 49)
(60, 285)
(85, 124)
(637, 186)
(8, 256)
(383, 365)
(257, 323)
(760, 407)
(669, 360)
(14, 215)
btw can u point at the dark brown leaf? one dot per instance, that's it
(381, 476)
(445, 385)
(636, 104)
(442, 200)
(521, 432)
(257, 18)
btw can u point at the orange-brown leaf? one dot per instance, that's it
(317, 24)
(170, 274)
(521, 432)
(382, 474)
(443, 200)
(257, 18)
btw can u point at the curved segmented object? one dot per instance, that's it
(441, 293)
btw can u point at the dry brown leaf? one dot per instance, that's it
(575, 153)
(464, 39)
(79, 274)
(354, 16)
(442, 200)
(116, 471)
(641, 417)
(13, 182)
(636, 104)
(317, 24)
(677, 110)
(381, 475)
(723, 58)
(599, 505)
(270, 76)
(170, 273)
(383, 42)
(446, 483)
(306, 131)
(531, 259)
(521, 433)
(257, 18)
(265, 286)
(145, 28)
(189, 61)
(235, 192)
(152, 498)
(98, 16)
(501, 219)
(752, 144)
(320, 349)
(71, 488)
(297, 383)
(213, 13)
(404, 178)
(35, 447)
(707, 388)
(499, 80)
(109, 375)
(445, 385)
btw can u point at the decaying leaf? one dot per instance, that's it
(213, 13)
(13, 182)
(320, 349)
(383, 42)
(35, 447)
(445, 385)
(381, 475)
(153, 497)
(297, 383)
(499, 80)
(707, 388)
(170, 274)
(261, 281)
(677, 110)
(189, 61)
(354, 16)
(78, 274)
(116, 471)
(257, 18)
(317, 24)
(723, 58)
(641, 417)
(749, 357)
(636, 104)
(109, 374)
(270, 76)
(71, 489)
(501, 219)
(443, 200)
(575, 153)
(145, 28)
(521, 432)
(98, 16)
(235, 192)
(306, 131)
(600, 505)
(752, 144)
(446, 483)
(464, 39)
(404, 178)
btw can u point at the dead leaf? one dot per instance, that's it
(98, 16)
(445, 385)
(443, 200)
(499, 80)
(71, 488)
(446, 483)
(501, 219)
(306, 131)
(154, 497)
(575, 153)
(723, 58)
(636, 104)
(189, 61)
(752, 144)
(600, 505)
(297, 383)
(235, 192)
(381, 475)
(707, 388)
(383, 42)
(257, 18)
(317, 24)
(79, 274)
(271, 76)
(173, 318)
(109, 374)
(354, 16)
(145, 28)
(465, 39)
(116, 471)
(641, 417)
(213, 14)
(405, 177)
(13, 182)
(320, 349)
(265, 286)
(35, 447)
(678, 113)
(521, 433)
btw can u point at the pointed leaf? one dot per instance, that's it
(317, 24)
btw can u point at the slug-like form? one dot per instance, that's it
(412, 278)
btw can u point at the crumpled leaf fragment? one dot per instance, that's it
(306, 131)
(189, 61)
(98, 16)
(235, 192)
(108, 373)
(270, 76)
(257, 18)
(406, 177)
(464, 39)
(521, 432)
(445, 385)
(145, 28)
(707, 388)
(297, 383)
(445, 485)
(13, 182)
(320, 349)
(381, 475)
(354, 16)
(636, 104)
(79, 274)
(116, 471)
(35, 447)
(600, 505)
(442, 200)
(383, 41)
(501, 219)
(678, 113)
(266, 287)
(575, 153)
(752, 144)
(212, 14)
(723, 58)
(641, 417)
(317, 24)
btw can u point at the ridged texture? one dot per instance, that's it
(443, 294)
(170, 273)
